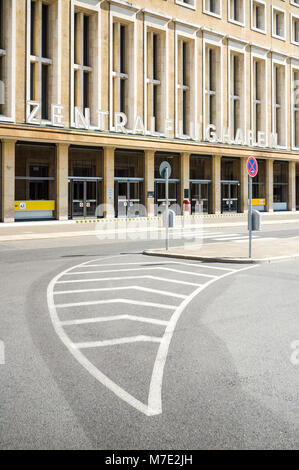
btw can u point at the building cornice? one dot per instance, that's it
(125, 4)
(27, 133)
(157, 14)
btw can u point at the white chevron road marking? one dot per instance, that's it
(84, 321)
(179, 271)
(197, 265)
(155, 278)
(116, 301)
(112, 342)
(154, 404)
(108, 289)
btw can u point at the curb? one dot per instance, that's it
(215, 259)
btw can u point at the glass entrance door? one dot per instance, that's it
(77, 198)
(127, 198)
(230, 197)
(160, 197)
(83, 196)
(200, 197)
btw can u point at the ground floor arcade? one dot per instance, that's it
(62, 181)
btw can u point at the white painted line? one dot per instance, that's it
(222, 235)
(155, 392)
(81, 273)
(267, 239)
(108, 289)
(163, 279)
(93, 370)
(126, 264)
(200, 264)
(154, 405)
(256, 239)
(84, 321)
(112, 342)
(117, 301)
(231, 238)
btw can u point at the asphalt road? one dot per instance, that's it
(108, 349)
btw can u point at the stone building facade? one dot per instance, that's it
(94, 95)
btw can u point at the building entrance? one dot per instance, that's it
(200, 197)
(83, 197)
(128, 198)
(230, 191)
(160, 196)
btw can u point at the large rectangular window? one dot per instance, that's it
(35, 180)
(258, 15)
(259, 98)
(279, 103)
(155, 98)
(42, 54)
(184, 86)
(281, 186)
(236, 11)
(212, 87)
(122, 41)
(85, 56)
(82, 66)
(278, 23)
(237, 93)
(45, 30)
(294, 29)
(2, 59)
(212, 7)
(6, 58)
(259, 182)
(295, 111)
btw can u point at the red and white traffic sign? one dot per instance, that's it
(252, 167)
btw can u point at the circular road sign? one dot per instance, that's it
(252, 167)
(163, 167)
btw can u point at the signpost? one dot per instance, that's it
(165, 172)
(252, 170)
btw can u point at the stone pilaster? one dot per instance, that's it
(216, 184)
(149, 182)
(8, 180)
(185, 176)
(109, 181)
(292, 186)
(62, 170)
(269, 185)
(244, 185)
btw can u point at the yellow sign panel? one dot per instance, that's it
(258, 202)
(24, 206)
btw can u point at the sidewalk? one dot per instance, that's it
(78, 228)
(266, 251)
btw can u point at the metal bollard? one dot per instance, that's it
(171, 218)
(256, 221)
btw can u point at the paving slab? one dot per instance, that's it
(34, 230)
(263, 251)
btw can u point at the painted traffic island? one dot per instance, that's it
(265, 250)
